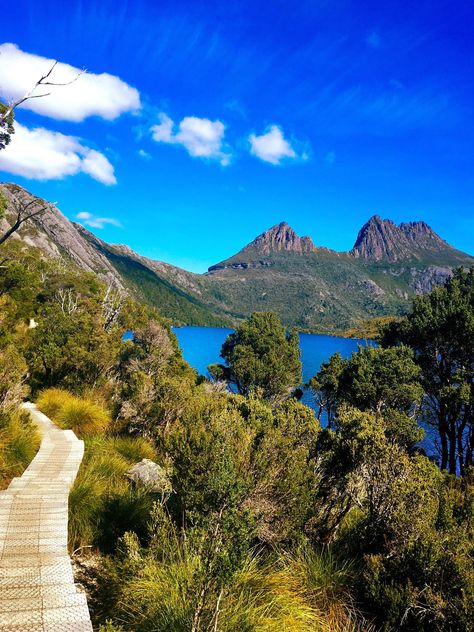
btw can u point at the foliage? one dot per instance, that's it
(440, 330)
(6, 125)
(370, 329)
(261, 355)
(102, 503)
(155, 589)
(19, 439)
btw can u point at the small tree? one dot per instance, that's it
(23, 211)
(383, 381)
(325, 386)
(261, 356)
(440, 330)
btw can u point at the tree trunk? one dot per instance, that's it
(452, 448)
(444, 444)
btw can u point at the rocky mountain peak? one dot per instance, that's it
(281, 237)
(381, 239)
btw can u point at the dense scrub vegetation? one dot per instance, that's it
(268, 521)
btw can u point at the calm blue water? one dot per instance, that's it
(201, 346)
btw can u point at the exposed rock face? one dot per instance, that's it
(279, 238)
(282, 237)
(423, 281)
(381, 239)
(55, 235)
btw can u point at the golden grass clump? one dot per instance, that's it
(101, 494)
(19, 442)
(82, 415)
(52, 401)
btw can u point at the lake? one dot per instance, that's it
(201, 346)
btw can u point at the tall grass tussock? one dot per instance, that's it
(102, 503)
(19, 442)
(82, 415)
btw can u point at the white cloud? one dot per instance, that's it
(163, 133)
(101, 95)
(41, 154)
(88, 219)
(144, 154)
(272, 146)
(201, 137)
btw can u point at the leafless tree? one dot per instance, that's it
(42, 81)
(7, 110)
(68, 300)
(112, 306)
(24, 212)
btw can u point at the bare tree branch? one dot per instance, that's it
(22, 215)
(42, 81)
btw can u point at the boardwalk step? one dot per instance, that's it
(37, 590)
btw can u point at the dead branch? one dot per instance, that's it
(42, 81)
(22, 215)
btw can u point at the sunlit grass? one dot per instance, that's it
(102, 505)
(19, 442)
(82, 415)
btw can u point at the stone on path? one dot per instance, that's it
(37, 590)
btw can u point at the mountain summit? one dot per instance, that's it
(381, 239)
(281, 237)
(277, 239)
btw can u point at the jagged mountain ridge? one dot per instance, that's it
(312, 288)
(381, 239)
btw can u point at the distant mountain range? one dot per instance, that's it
(310, 287)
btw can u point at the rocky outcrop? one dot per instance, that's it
(381, 239)
(423, 281)
(281, 237)
(56, 237)
(151, 476)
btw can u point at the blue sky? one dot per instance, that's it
(217, 120)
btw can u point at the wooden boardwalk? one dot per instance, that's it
(37, 590)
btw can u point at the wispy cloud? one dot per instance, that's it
(273, 147)
(201, 137)
(373, 39)
(144, 154)
(330, 157)
(41, 154)
(94, 221)
(236, 107)
(101, 95)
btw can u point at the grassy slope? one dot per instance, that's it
(174, 303)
